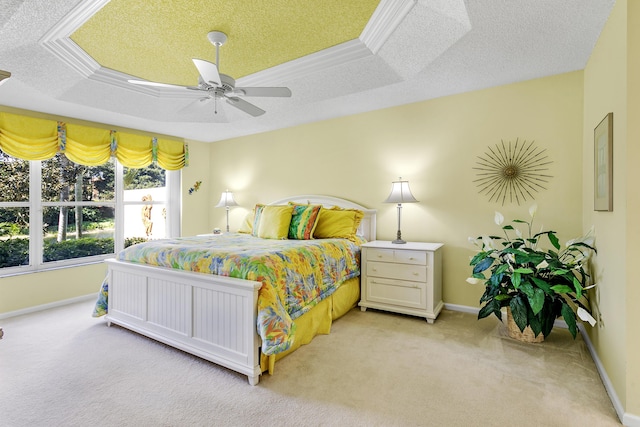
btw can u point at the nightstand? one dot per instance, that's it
(403, 278)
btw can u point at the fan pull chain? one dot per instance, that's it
(215, 105)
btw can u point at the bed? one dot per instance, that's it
(221, 318)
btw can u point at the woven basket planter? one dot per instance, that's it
(515, 333)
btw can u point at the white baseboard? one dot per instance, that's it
(629, 420)
(462, 308)
(47, 306)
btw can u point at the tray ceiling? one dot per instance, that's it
(72, 59)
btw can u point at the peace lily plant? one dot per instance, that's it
(538, 285)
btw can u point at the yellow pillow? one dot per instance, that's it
(274, 222)
(338, 223)
(247, 224)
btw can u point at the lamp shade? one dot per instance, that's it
(400, 193)
(226, 200)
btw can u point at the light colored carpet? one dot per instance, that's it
(61, 367)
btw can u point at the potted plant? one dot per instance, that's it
(536, 285)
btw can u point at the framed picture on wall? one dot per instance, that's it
(603, 164)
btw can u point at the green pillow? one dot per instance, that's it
(303, 221)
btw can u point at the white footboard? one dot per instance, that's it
(212, 317)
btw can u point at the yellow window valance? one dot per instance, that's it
(30, 138)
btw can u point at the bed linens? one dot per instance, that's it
(296, 274)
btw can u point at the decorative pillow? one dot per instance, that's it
(257, 213)
(303, 221)
(338, 223)
(247, 224)
(274, 221)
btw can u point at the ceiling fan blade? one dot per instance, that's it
(245, 106)
(283, 92)
(208, 71)
(194, 106)
(155, 84)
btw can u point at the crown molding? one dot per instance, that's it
(385, 19)
(73, 20)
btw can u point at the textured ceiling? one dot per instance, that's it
(408, 51)
(260, 34)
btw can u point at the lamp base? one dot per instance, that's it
(398, 241)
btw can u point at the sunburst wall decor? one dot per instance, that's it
(512, 172)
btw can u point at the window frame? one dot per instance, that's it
(35, 204)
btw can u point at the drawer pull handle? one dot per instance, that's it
(415, 274)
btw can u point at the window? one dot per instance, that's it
(57, 213)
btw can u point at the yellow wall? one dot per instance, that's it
(611, 84)
(196, 206)
(33, 289)
(632, 405)
(435, 145)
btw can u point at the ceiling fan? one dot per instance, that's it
(221, 86)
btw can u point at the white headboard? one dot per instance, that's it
(367, 227)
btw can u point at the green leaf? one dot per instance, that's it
(523, 270)
(526, 287)
(483, 265)
(583, 245)
(490, 307)
(535, 323)
(536, 301)
(520, 221)
(561, 289)
(507, 227)
(479, 257)
(519, 312)
(570, 318)
(548, 316)
(578, 287)
(515, 280)
(542, 284)
(502, 297)
(554, 240)
(501, 268)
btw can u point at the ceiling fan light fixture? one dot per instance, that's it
(216, 85)
(217, 38)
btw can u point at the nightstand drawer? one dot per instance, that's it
(402, 256)
(397, 292)
(414, 273)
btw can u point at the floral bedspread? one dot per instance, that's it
(296, 274)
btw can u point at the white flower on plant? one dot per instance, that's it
(487, 243)
(533, 209)
(473, 280)
(543, 264)
(585, 316)
(518, 233)
(588, 238)
(498, 218)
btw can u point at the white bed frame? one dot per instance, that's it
(212, 317)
